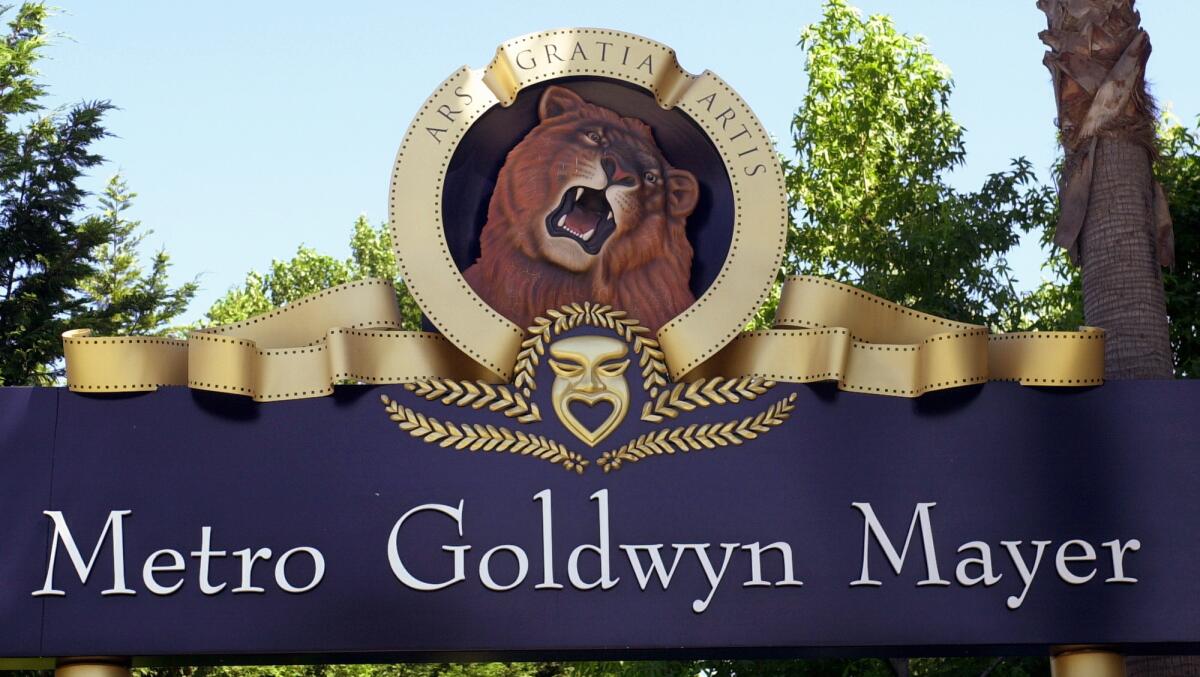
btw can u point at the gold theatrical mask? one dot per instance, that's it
(590, 370)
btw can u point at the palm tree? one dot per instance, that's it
(1114, 220)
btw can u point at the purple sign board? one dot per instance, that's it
(210, 528)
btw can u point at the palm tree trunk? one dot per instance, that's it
(1162, 666)
(1122, 281)
(1113, 217)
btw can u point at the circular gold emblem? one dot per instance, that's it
(585, 165)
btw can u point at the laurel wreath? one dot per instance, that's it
(477, 395)
(481, 437)
(651, 359)
(685, 397)
(698, 436)
(515, 401)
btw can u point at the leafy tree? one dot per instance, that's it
(874, 141)
(740, 668)
(392, 670)
(121, 297)
(46, 253)
(984, 667)
(1057, 303)
(1179, 172)
(309, 272)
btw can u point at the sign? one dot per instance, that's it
(318, 530)
(586, 454)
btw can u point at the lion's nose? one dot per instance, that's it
(615, 173)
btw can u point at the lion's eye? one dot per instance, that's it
(594, 137)
(651, 177)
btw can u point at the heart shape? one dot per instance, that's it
(591, 435)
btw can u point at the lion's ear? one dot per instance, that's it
(557, 101)
(682, 192)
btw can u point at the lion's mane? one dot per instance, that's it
(643, 268)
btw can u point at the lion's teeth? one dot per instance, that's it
(609, 217)
(588, 235)
(561, 220)
(578, 193)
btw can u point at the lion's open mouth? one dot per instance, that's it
(585, 216)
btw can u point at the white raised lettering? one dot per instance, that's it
(1118, 559)
(657, 567)
(485, 571)
(605, 581)
(873, 527)
(547, 500)
(984, 561)
(756, 579)
(714, 577)
(403, 574)
(281, 578)
(1062, 558)
(1026, 572)
(150, 568)
(63, 534)
(249, 557)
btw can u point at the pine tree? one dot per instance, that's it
(60, 269)
(121, 297)
(45, 251)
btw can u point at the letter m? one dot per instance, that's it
(872, 527)
(63, 534)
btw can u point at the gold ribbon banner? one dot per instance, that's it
(825, 331)
(828, 331)
(347, 332)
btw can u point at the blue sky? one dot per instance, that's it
(248, 128)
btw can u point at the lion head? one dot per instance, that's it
(586, 208)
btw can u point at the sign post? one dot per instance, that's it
(1086, 662)
(92, 666)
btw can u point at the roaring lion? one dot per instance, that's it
(586, 208)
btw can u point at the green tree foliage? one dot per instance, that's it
(1057, 303)
(121, 297)
(58, 269)
(918, 667)
(45, 251)
(309, 272)
(874, 142)
(872, 667)
(395, 670)
(1179, 172)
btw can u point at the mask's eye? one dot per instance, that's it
(650, 177)
(566, 369)
(593, 138)
(613, 368)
